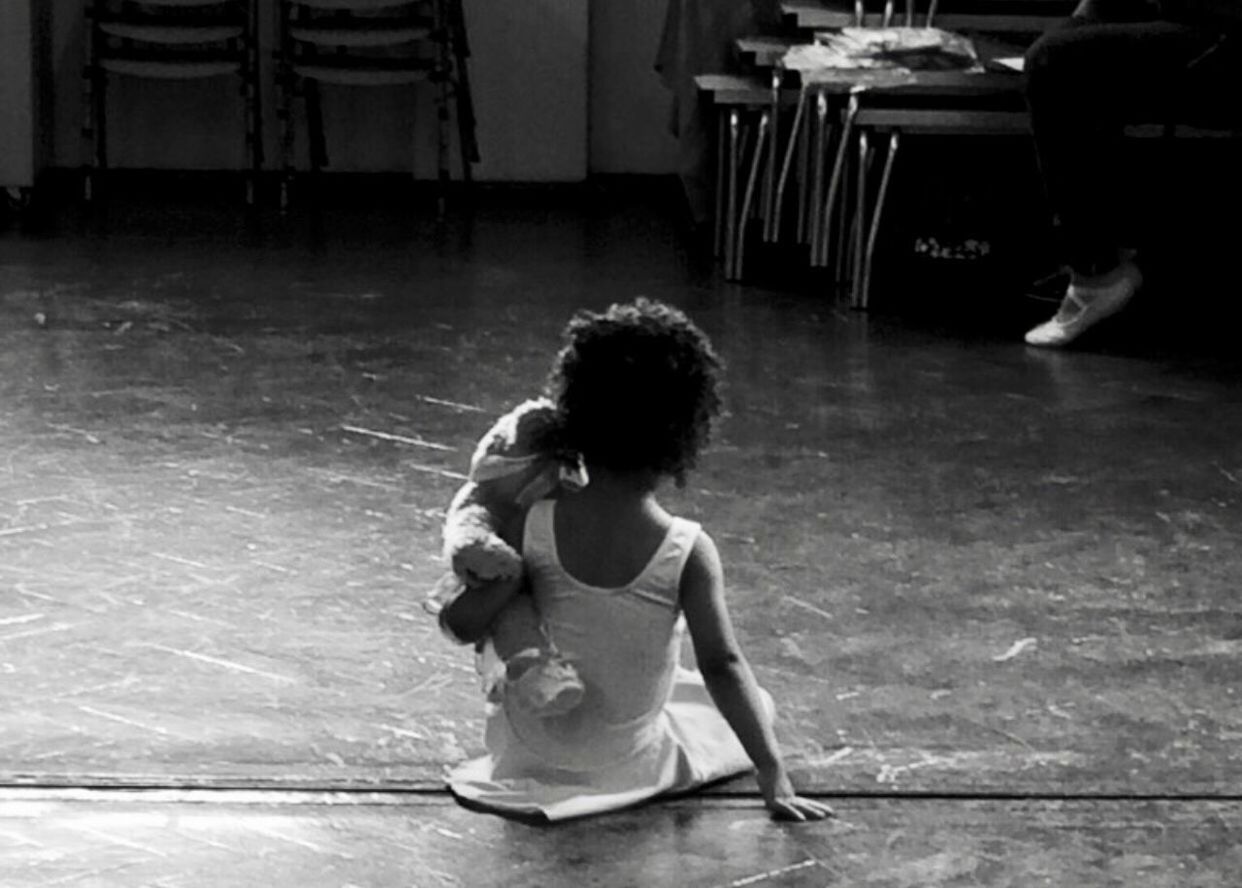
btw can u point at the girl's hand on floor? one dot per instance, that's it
(780, 798)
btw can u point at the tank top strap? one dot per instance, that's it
(661, 581)
(538, 534)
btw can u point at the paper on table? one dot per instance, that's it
(852, 49)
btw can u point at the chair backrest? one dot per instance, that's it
(355, 27)
(360, 42)
(172, 29)
(905, 17)
(351, 6)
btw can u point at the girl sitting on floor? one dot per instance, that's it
(612, 574)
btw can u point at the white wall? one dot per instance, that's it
(528, 71)
(17, 98)
(560, 87)
(629, 108)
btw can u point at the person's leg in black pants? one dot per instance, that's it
(1114, 63)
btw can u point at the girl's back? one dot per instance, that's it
(617, 624)
(645, 725)
(606, 537)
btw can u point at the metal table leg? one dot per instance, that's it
(817, 179)
(838, 166)
(841, 232)
(778, 194)
(859, 227)
(894, 141)
(751, 180)
(731, 192)
(769, 179)
(722, 163)
(804, 181)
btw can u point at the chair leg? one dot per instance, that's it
(441, 76)
(249, 141)
(841, 234)
(769, 177)
(468, 143)
(443, 174)
(773, 233)
(254, 106)
(101, 121)
(730, 233)
(88, 133)
(755, 164)
(838, 167)
(894, 141)
(888, 13)
(287, 90)
(859, 225)
(804, 183)
(443, 123)
(722, 162)
(819, 149)
(318, 142)
(90, 77)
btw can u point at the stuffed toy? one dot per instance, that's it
(517, 462)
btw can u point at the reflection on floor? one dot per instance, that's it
(961, 566)
(379, 840)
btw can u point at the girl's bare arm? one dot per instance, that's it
(732, 684)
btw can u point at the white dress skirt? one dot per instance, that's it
(646, 726)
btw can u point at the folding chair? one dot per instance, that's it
(169, 40)
(374, 43)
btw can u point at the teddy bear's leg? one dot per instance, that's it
(516, 627)
(536, 678)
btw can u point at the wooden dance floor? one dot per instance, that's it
(994, 591)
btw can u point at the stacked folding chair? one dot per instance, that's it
(170, 40)
(373, 43)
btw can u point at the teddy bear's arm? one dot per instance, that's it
(468, 618)
(473, 539)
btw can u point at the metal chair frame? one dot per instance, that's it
(374, 43)
(169, 40)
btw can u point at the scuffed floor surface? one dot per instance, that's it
(961, 566)
(376, 840)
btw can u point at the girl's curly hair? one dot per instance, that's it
(638, 387)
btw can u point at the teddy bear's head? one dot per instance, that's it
(526, 434)
(522, 456)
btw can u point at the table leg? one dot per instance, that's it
(778, 193)
(731, 191)
(749, 195)
(894, 141)
(838, 167)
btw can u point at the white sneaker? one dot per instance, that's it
(1085, 306)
